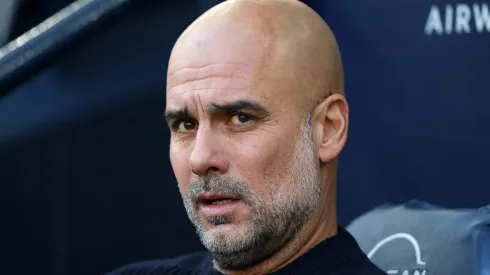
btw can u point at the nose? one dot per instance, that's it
(207, 156)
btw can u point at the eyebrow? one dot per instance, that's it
(230, 107)
(239, 105)
(177, 114)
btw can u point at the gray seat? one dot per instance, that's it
(418, 238)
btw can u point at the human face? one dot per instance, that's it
(246, 170)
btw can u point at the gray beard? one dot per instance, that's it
(275, 220)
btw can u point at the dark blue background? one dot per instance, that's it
(84, 169)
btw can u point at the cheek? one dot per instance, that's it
(262, 160)
(179, 160)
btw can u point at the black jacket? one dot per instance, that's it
(339, 255)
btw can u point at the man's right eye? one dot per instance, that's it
(184, 126)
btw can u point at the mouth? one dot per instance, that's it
(215, 199)
(217, 205)
(219, 201)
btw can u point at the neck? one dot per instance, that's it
(317, 230)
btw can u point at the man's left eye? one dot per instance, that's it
(239, 119)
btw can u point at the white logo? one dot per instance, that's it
(460, 19)
(416, 248)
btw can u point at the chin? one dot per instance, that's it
(222, 229)
(226, 237)
(228, 230)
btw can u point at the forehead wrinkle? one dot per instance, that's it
(207, 83)
(209, 90)
(202, 66)
(206, 76)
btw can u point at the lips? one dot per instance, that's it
(215, 199)
(217, 205)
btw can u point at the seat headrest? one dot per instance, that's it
(424, 239)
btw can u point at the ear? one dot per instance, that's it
(331, 120)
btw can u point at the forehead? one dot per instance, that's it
(214, 80)
(217, 69)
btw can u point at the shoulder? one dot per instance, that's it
(196, 263)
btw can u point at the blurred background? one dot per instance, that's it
(86, 183)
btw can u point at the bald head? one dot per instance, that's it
(279, 40)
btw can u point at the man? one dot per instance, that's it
(258, 117)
